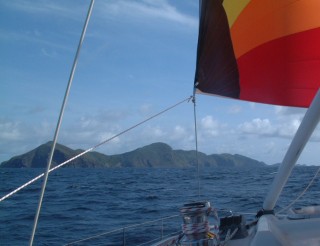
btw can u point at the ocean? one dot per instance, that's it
(82, 203)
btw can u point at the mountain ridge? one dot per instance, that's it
(155, 155)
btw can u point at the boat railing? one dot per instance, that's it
(121, 234)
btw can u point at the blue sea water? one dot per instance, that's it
(80, 203)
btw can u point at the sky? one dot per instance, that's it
(137, 59)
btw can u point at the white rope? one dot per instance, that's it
(229, 236)
(196, 228)
(92, 148)
(301, 194)
(41, 175)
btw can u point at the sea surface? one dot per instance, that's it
(83, 203)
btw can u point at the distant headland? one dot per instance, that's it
(156, 155)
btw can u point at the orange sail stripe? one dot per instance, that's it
(265, 20)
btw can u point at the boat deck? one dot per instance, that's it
(273, 231)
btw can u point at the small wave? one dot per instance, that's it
(80, 209)
(152, 197)
(149, 210)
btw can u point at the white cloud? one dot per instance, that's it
(289, 128)
(145, 109)
(258, 126)
(289, 119)
(10, 130)
(18, 137)
(157, 132)
(270, 147)
(285, 127)
(210, 126)
(180, 133)
(93, 129)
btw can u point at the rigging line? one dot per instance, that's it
(94, 147)
(123, 228)
(196, 139)
(302, 193)
(60, 121)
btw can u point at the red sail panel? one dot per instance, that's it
(287, 70)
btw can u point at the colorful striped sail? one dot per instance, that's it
(264, 51)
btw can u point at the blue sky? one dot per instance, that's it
(138, 58)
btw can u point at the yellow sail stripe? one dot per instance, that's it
(233, 8)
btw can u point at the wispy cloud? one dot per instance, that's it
(61, 9)
(285, 111)
(40, 21)
(43, 45)
(158, 9)
(235, 109)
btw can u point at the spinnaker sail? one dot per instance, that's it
(265, 51)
